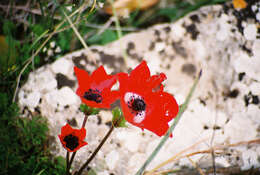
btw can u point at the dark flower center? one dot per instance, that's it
(93, 95)
(138, 105)
(72, 142)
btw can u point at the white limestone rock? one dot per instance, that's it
(250, 32)
(61, 66)
(111, 159)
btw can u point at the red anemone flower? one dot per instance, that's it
(72, 139)
(95, 90)
(143, 101)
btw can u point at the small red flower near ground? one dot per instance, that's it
(143, 101)
(72, 139)
(95, 90)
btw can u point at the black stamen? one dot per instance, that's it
(71, 142)
(93, 95)
(138, 105)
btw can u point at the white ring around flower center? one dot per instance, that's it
(140, 115)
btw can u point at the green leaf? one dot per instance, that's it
(118, 119)
(38, 29)
(106, 37)
(60, 161)
(94, 111)
(8, 27)
(88, 110)
(64, 39)
(84, 108)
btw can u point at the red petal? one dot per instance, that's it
(101, 80)
(83, 78)
(140, 74)
(161, 108)
(156, 80)
(80, 133)
(99, 75)
(170, 106)
(123, 82)
(66, 130)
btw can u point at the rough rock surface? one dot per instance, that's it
(224, 113)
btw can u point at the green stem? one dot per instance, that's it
(170, 130)
(67, 163)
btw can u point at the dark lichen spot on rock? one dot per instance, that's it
(233, 93)
(162, 52)
(136, 56)
(192, 29)
(225, 8)
(83, 58)
(188, 68)
(25, 109)
(255, 99)
(227, 121)
(179, 49)
(228, 154)
(202, 101)
(157, 36)
(130, 46)
(241, 76)
(72, 122)
(157, 33)
(215, 127)
(99, 119)
(108, 123)
(251, 99)
(37, 110)
(246, 100)
(247, 50)
(117, 63)
(62, 81)
(195, 18)
(152, 46)
(94, 50)
(130, 51)
(167, 29)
